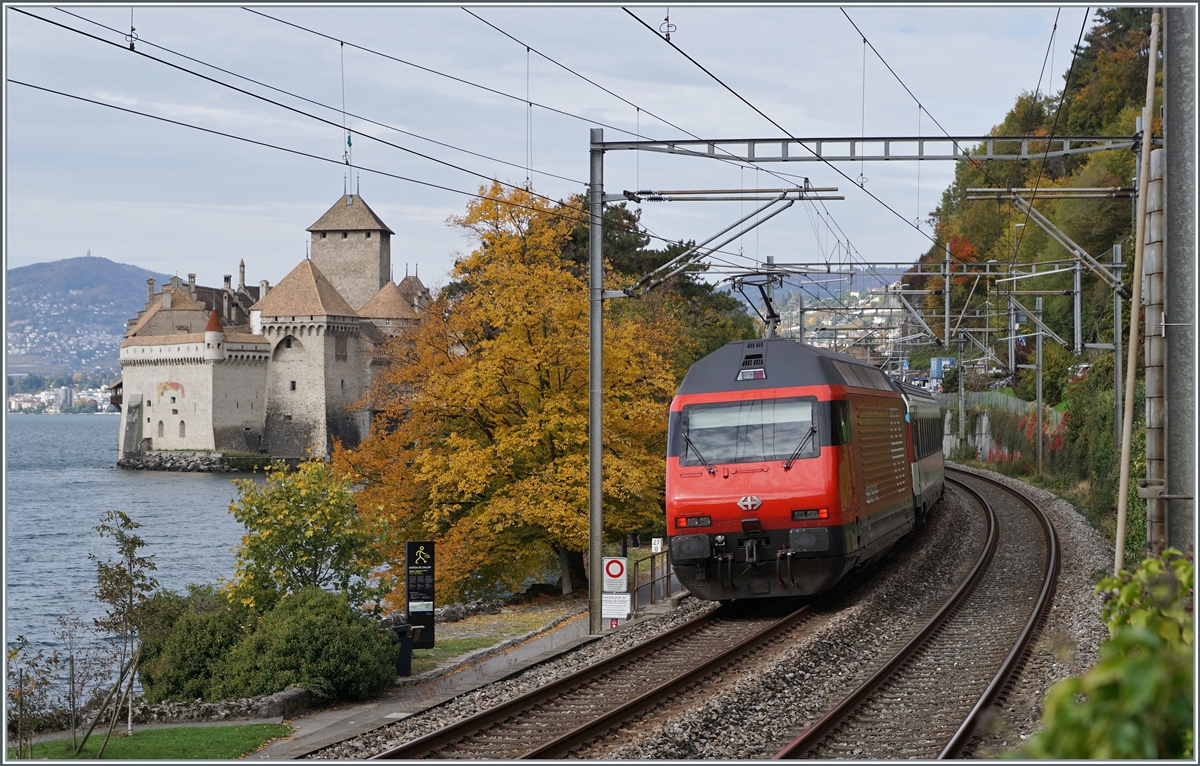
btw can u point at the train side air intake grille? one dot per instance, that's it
(862, 377)
(882, 453)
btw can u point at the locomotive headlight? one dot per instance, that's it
(719, 539)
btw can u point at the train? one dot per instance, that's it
(789, 465)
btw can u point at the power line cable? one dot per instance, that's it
(348, 130)
(1054, 127)
(460, 80)
(619, 97)
(782, 129)
(582, 216)
(325, 106)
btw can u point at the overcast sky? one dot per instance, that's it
(82, 177)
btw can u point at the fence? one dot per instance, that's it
(657, 573)
(995, 400)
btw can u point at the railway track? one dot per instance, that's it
(931, 697)
(554, 720)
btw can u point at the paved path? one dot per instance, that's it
(324, 727)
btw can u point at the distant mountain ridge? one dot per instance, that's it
(69, 315)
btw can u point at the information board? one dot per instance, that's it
(615, 606)
(418, 564)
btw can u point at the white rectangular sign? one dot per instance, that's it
(656, 545)
(615, 605)
(615, 576)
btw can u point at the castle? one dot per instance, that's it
(275, 370)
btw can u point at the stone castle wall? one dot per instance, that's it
(357, 265)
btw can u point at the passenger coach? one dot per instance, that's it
(789, 465)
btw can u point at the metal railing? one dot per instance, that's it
(655, 572)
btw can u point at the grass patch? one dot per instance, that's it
(176, 744)
(446, 648)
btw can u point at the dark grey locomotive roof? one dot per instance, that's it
(785, 363)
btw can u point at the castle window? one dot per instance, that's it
(322, 235)
(343, 385)
(160, 429)
(345, 234)
(172, 400)
(293, 385)
(339, 348)
(287, 417)
(368, 235)
(287, 342)
(174, 412)
(182, 429)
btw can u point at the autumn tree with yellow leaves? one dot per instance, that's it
(481, 438)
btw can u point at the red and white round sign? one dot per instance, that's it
(615, 575)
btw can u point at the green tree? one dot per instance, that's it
(303, 529)
(123, 584)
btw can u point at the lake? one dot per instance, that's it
(60, 477)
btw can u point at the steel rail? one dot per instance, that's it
(812, 736)
(970, 726)
(447, 735)
(562, 746)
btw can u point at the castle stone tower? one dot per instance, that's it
(353, 249)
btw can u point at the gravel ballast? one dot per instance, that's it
(765, 704)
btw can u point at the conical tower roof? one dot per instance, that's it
(305, 290)
(214, 323)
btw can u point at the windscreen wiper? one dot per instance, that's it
(689, 443)
(787, 464)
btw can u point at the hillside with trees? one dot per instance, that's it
(1102, 95)
(69, 316)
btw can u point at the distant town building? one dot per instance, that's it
(277, 370)
(66, 398)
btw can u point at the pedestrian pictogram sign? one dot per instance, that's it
(615, 580)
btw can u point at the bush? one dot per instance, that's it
(190, 655)
(312, 639)
(1136, 702)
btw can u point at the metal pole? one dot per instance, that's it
(946, 332)
(962, 397)
(770, 307)
(596, 384)
(1135, 306)
(1079, 312)
(1039, 389)
(1179, 129)
(1155, 359)
(800, 307)
(1118, 398)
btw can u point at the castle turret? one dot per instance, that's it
(352, 247)
(214, 339)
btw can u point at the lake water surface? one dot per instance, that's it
(60, 477)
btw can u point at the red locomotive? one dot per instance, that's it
(789, 465)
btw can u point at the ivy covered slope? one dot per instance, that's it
(1102, 95)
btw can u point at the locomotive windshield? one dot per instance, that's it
(747, 431)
